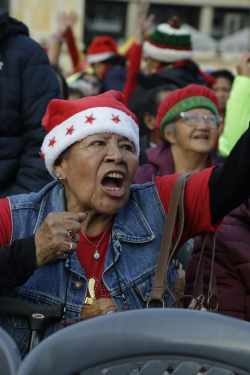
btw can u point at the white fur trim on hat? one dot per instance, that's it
(167, 29)
(165, 54)
(98, 57)
(103, 123)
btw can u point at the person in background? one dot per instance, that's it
(231, 264)
(222, 88)
(188, 127)
(237, 109)
(75, 94)
(147, 116)
(189, 139)
(64, 34)
(108, 65)
(27, 84)
(94, 81)
(62, 82)
(85, 87)
(168, 57)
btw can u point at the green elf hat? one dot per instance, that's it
(182, 100)
(168, 43)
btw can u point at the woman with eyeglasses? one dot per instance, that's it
(188, 122)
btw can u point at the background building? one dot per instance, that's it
(216, 18)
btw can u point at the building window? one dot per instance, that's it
(104, 18)
(228, 21)
(4, 5)
(187, 14)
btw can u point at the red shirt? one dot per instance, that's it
(196, 201)
(93, 268)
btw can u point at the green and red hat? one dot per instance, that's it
(182, 100)
(168, 43)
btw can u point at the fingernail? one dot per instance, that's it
(86, 213)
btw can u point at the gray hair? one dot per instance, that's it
(63, 155)
(171, 127)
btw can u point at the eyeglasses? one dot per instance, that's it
(78, 319)
(193, 119)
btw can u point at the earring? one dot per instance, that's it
(60, 180)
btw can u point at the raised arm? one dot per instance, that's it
(229, 184)
(65, 24)
(237, 108)
(135, 53)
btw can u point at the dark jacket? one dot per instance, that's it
(160, 163)
(114, 78)
(232, 264)
(27, 84)
(179, 76)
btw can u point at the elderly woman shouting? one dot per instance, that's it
(92, 240)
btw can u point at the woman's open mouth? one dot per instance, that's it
(114, 183)
(202, 137)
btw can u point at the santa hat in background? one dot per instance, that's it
(182, 100)
(67, 122)
(101, 49)
(168, 43)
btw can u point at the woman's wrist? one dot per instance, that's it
(58, 38)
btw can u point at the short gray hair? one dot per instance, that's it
(63, 155)
(171, 127)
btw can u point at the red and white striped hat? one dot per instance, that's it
(67, 122)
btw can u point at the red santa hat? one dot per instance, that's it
(67, 122)
(101, 49)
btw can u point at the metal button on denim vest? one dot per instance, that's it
(136, 236)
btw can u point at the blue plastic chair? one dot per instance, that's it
(9, 355)
(152, 342)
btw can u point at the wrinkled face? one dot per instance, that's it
(222, 90)
(199, 139)
(98, 173)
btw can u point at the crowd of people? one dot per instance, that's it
(88, 162)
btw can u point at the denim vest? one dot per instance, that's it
(136, 235)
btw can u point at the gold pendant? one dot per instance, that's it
(91, 288)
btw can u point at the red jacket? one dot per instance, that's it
(232, 264)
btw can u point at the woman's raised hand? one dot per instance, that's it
(53, 239)
(243, 67)
(144, 22)
(65, 23)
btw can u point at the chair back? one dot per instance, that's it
(9, 355)
(154, 341)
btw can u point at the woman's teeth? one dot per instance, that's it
(112, 189)
(114, 175)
